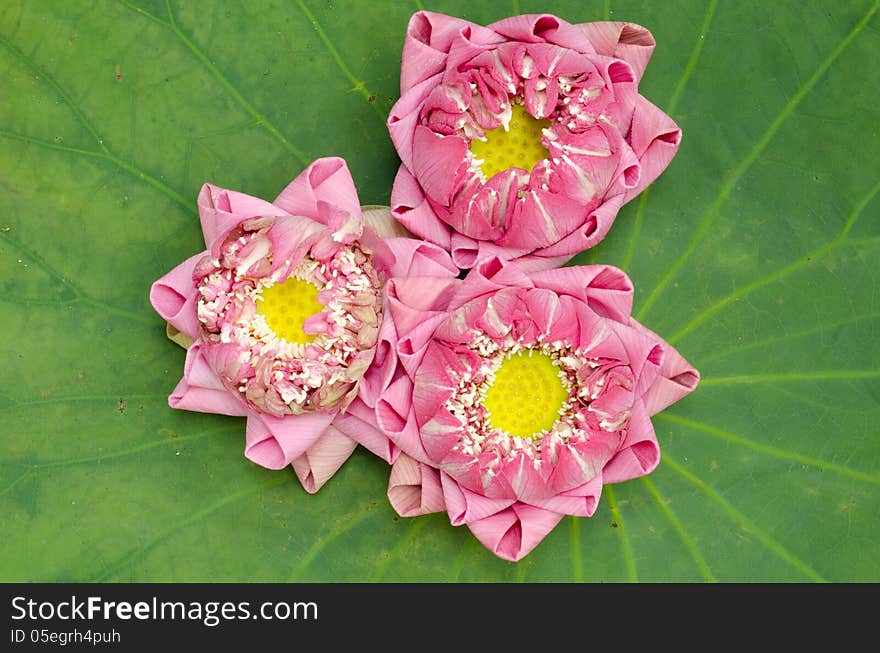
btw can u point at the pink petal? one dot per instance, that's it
(275, 442)
(404, 116)
(593, 230)
(677, 379)
(201, 390)
(410, 299)
(543, 220)
(222, 210)
(465, 506)
(359, 423)
(396, 418)
(409, 206)
(537, 28)
(291, 238)
(416, 258)
(655, 138)
(514, 532)
(414, 488)
(175, 297)
(429, 36)
(581, 501)
(628, 41)
(439, 163)
(318, 464)
(639, 453)
(325, 180)
(605, 289)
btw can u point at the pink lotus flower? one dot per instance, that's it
(524, 138)
(281, 316)
(514, 396)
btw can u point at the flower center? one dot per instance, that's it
(526, 396)
(287, 305)
(517, 147)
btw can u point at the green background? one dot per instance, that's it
(755, 253)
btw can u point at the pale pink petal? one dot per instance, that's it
(291, 238)
(201, 390)
(439, 163)
(411, 300)
(175, 297)
(221, 210)
(639, 453)
(655, 139)
(275, 442)
(414, 488)
(465, 506)
(359, 423)
(379, 218)
(628, 41)
(409, 206)
(537, 28)
(514, 532)
(543, 220)
(325, 180)
(320, 461)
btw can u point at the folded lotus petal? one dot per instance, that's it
(174, 297)
(275, 442)
(201, 390)
(628, 41)
(512, 533)
(358, 422)
(606, 290)
(466, 252)
(409, 206)
(323, 459)
(413, 258)
(410, 299)
(404, 117)
(396, 418)
(325, 180)
(655, 139)
(429, 37)
(291, 239)
(379, 219)
(544, 28)
(581, 501)
(594, 229)
(465, 506)
(677, 379)
(221, 211)
(639, 453)
(438, 162)
(414, 488)
(544, 218)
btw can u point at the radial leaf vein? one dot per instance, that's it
(140, 552)
(359, 85)
(712, 211)
(338, 531)
(772, 451)
(686, 538)
(802, 262)
(410, 535)
(628, 556)
(745, 522)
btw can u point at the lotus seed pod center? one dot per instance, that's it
(518, 147)
(526, 396)
(287, 305)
